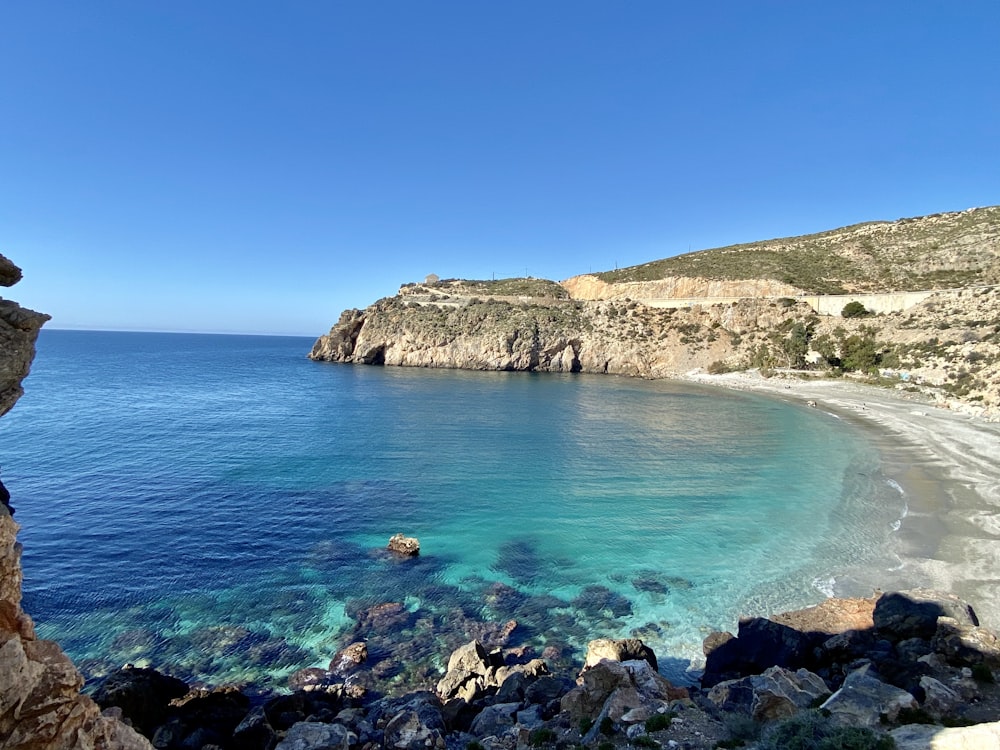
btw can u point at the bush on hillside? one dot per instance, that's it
(854, 310)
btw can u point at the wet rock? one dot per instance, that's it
(865, 701)
(316, 736)
(628, 649)
(349, 659)
(143, 695)
(310, 677)
(491, 634)
(405, 546)
(914, 613)
(777, 693)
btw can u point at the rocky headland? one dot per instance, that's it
(916, 306)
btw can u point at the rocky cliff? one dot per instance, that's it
(947, 345)
(41, 707)
(612, 337)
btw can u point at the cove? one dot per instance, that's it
(215, 506)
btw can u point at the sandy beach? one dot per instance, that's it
(948, 465)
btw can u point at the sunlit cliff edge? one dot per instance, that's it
(913, 302)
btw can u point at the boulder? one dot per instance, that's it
(760, 643)
(349, 659)
(914, 613)
(776, 694)
(939, 699)
(418, 727)
(865, 701)
(495, 720)
(965, 645)
(310, 677)
(614, 689)
(143, 695)
(405, 546)
(308, 735)
(628, 649)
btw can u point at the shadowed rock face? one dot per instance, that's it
(41, 707)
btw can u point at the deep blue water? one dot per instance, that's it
(214, 506)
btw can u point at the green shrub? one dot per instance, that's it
(813, 731)
(719, 367)
(854, 310)
(474, 746)
(585, 724)
(658, 722)
(607, 727)
(982, 673)
(542, 736)
(644, 740)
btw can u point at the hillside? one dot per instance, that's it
(943, 344)
(940, 251)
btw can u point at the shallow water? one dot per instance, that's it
(214, 506)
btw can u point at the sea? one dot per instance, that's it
(218, 507)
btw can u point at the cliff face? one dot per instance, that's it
(41, 707)
(613, 337)
(590, 287)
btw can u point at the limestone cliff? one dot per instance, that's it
(41, 707)
(613, 337)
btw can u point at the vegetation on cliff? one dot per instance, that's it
(940, 251)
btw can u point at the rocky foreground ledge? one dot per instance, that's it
(909, 669)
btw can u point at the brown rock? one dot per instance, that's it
(628, 649)
(407, 546)
(349, 658)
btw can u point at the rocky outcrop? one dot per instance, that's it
(590, 287)
(41, 706)
(615, 337)
(404, 546)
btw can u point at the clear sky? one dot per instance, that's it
(258, 167)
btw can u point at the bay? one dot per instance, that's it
(215, 506)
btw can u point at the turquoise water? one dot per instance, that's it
(214, 506)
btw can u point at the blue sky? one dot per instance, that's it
(260, 166)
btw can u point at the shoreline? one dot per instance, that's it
(945, 462)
